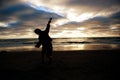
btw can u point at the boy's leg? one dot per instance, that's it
(43, 55)
(49, 54)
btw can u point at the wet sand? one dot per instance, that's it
(67, 65)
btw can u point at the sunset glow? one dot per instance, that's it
(71, 18)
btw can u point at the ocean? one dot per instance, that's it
(62, 44)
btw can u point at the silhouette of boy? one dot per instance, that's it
(45, 41)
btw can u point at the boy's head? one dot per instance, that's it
(37, 31)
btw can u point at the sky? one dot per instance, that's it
(71, 18)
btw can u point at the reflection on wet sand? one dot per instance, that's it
(102, 47)
(19, 48)
(88, 47)
(66, 47)
(69, 47)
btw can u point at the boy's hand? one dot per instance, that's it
(49, 20)
(37, 46)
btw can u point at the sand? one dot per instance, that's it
(67, 65)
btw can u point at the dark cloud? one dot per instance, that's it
(100, 20)
(94, 3)
(14, 9)
(21, 19)
(115, 15)
(8, 12)
(7, 3)
(38, 15)
(115, 18)
(25, 13)
(15, 24)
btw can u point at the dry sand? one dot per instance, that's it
(67, 65)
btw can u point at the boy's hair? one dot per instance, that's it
(37, 31)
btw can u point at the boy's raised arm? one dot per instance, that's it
(48, 26)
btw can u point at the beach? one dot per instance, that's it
(67, 65)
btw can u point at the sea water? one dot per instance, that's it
(61, 44)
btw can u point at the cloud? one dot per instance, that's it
(115, 15)
(80, 6)
(100, 25)
(18, 18)
(95, 3)
(115, 18)
(79, 10)
(7, 3)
